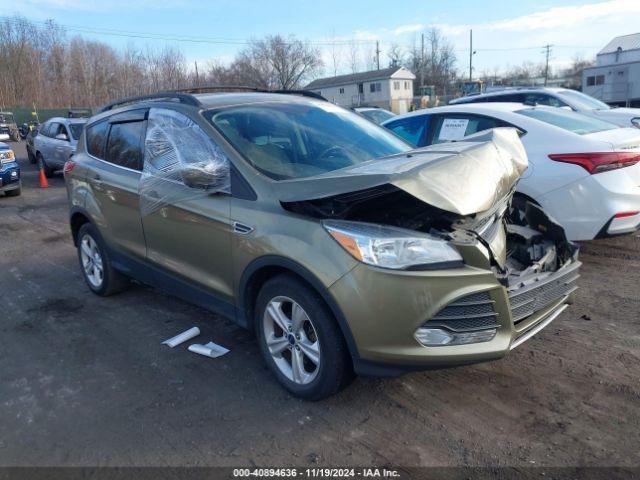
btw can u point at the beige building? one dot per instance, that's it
(390, 88)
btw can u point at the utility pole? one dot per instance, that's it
(470, 55)
(421, 66)
(547, 52)
(378, 54)
(197, 76)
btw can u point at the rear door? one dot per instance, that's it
(188, 230)
(115, 151)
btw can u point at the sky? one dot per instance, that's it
(505, 33)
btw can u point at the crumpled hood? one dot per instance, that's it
(464, 177)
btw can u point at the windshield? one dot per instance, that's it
(583, 102)
(377, 116)
(295, 140)
(76, 129)
(573, 122)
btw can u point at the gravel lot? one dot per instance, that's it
(84, 380)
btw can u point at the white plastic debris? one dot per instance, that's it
(183, 337)
(211, 349)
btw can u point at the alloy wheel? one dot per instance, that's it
(292, 340)
(91, 261)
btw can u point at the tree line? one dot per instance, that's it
(41, 65)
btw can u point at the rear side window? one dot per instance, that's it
(447, 128)
(412, 129)
(573, 122)
(125, 145)
(96, 139)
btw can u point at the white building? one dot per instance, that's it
(616, 77)
(390, 88)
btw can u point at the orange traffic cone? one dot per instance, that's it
(43, 179)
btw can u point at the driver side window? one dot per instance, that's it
(181, 162)
(174, 141)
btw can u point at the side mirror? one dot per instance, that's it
(62, 136)
(206, 175)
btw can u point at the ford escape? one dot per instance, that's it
(343, 248)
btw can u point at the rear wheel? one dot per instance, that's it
(300, 339)
(100, 276)
(43, 165)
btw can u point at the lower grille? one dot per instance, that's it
(473, 312)
(531, 298)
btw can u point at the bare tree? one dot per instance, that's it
(395, 55)
(353, 56)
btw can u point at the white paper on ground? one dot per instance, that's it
(183, 337)
(453, 129)
(211, 349)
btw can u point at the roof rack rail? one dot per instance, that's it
(218, 88)
(185, 95)
(246, 88)
(181, 97)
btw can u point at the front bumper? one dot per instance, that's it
(9, 176)
(384, 309)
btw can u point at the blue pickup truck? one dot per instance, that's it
(9, 172)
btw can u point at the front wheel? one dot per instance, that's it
(15, 192)
(31, 156)
(100, 276)
(300, 340)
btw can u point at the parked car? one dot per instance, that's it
(560, 97)
(8, 127)
(375, 114)
(340, 246)
(28, 141)
(584, 172)
(10, 183)
(56, 142)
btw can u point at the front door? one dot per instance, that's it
(187, 228)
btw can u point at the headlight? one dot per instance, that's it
(6, 156)
(390, 247)
(635, 122)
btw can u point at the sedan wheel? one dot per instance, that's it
(292, 340)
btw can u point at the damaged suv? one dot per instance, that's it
(343, 248)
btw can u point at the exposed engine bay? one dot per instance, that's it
(535, 243)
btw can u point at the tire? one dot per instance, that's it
(15, 192)
(317, 337)
(42, 164)
(31, 156)
(110, 281)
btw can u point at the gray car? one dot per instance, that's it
(56, 142)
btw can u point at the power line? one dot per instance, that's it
(239, 41)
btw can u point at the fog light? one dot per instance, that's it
(436, 337)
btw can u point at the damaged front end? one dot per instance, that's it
(461, 194)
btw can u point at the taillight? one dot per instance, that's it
(626, 214)
(68, 166)
(599, 162)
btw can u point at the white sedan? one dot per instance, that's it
(584, 172)
(559, 97)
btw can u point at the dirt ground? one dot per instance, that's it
(84, 380)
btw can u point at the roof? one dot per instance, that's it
(505, 91)
(624, 42)
(369, 76)
(469, 107)
(67, 120)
